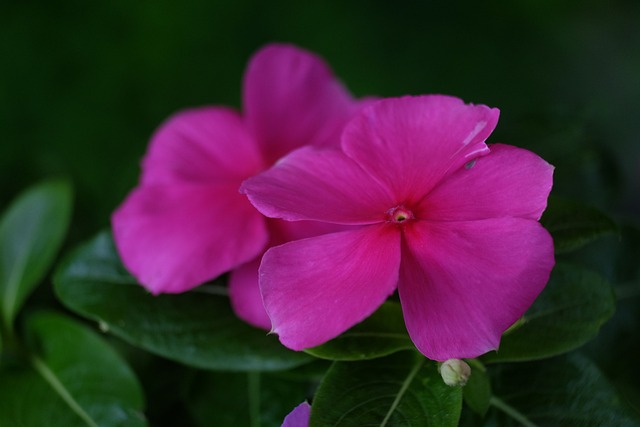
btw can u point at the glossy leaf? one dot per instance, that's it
(31, 232)
(75, 380)
(573, 224)
(381, 334)
(245, 399)
(568, 313)
(197, 328)
(565, 391)
(477, 391)
(403, 389)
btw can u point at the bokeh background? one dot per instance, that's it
(83, 84)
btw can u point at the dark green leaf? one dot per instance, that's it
(565, 391)
(245, 399)
(31, 232)
(573, 224)
(379, 335)
(197, 328)
(75, 380)
(477, 391)
(403, 389)
(567, 314)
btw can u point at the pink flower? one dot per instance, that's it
(299, 417)
(447, 220)
(186, 222)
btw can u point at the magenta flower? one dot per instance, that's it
(186, 222)
(447, 220)
(299, 417)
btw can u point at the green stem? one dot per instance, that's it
(511, 411)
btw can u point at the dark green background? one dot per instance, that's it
(84, 83)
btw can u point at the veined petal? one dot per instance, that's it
(173, 238)
(410, 143)
(314, 289)
(291, 98)
(244, 294)
(318, 184)
(203, 145)
(509, 181)
(462, 284)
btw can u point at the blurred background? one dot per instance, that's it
(83, 84)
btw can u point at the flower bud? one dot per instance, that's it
(455, 372)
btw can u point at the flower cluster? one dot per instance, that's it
(363, 198)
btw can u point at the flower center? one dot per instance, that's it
(399, 215)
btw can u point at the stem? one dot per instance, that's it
(253, 385)
(511, 411)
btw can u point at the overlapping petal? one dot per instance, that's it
(173, 238)
(209, 144)
(319, 184)
(463, 283)
(245, 297)
(291, 98)
(314, 289)
(508, 182)
(410, 143)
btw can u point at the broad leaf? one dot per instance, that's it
(31, 232)
(567, 314)
(75, 380)
(403, 389)
(245, 399)
(573, 224)
(477, 391)
(379, 335)
(565, 391)
(197, 328)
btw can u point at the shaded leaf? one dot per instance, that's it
(31, 232)
(381, 334)
(573, 224)
(75, 379)
(567, 314)
(197, 328)
(565, 391)
(403, 389)
(477, 391)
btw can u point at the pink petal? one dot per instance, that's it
(173, 238)
(314, 289)
(204, 145)
(299, 417)
(462, 284)
(245, 297)
(410, 143)
(291, 98)
(318, 184)
(509, 181)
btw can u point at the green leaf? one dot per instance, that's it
(196, 328)
(75, 380)
(573, 224)
(245, 399)
(565, 391)
(403, 389)
(31, 232)
(381, 334)
(567, 314)
(477, 391)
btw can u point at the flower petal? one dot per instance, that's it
(245, 297)
(462, 284)
(173, 238)
(204, 145)
(509, 181)
(299, 417)
(314, 289)
(318, 184)
(291, 98)
(410, 143)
